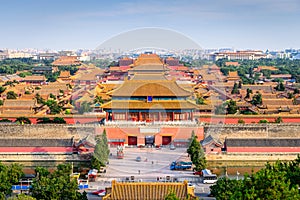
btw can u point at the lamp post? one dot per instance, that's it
(237, 175)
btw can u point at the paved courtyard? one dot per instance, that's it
(154, 163)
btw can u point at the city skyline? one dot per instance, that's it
(267, 24)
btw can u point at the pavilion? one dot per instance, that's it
(149, 96)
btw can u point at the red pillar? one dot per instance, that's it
(173, 115)
(140, 116)
(106, 117)
(126, 115)
(192, 116)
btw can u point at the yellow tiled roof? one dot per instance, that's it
(148, 59)
(146, 190)
(233, 74)
(150, 88)
(135, 104)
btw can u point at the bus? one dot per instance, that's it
(210, 178)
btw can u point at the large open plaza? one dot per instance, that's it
(154, 164)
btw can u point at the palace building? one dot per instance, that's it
(148, 103)
(148, 96)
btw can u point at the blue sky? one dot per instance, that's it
(73, 24)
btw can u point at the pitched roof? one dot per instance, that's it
(262, 142)
(34, 78)
(32, 142)
(265, 88)
(141, 76)
(210, 140)
(64, 74)
(135, 104)
(271, 68)
(233, 74)
(149, 67)
(279, 102)
(148, 59)
(232, 63)
(19, 103)
(146, 190)
(281, 76)
(66, 60)
(150, 88)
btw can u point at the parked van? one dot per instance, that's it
(210, 179)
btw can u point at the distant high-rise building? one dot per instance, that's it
(239, 55)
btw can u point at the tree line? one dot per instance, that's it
(275, 181)
(45, 185)
(284, 66)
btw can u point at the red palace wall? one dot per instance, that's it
(204, 118)
(263, 149)
(247, 120)
(174, 132)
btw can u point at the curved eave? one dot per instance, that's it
(158, 105)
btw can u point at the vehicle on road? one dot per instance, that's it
(138, 159)
(209, 177)
(102, 170)
(172, 147)
(197, 173)
(99, 192)
(181, 165)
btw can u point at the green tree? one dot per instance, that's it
(257, 99)
(277, 181)
(227, 189)
(200, 100)
(241, 121)
(5, 120)
(39, 99)
(240, 85)
(231, 107)
(101, 152)
(278, 120)
(171, 196)
(221, 109)
(53, 106)
(2, 89)
(196, 153)
(52, 96)
(9, 175)
(15, 172)
(249, 91)
(23, 120)
(263, 121)
(98, 100)
(56, 185)
(280, 87)
(22, 197)
(59, 120)
(9, 83)
(235, 89)
(43, 120)
(84, 107)
(11, 95)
